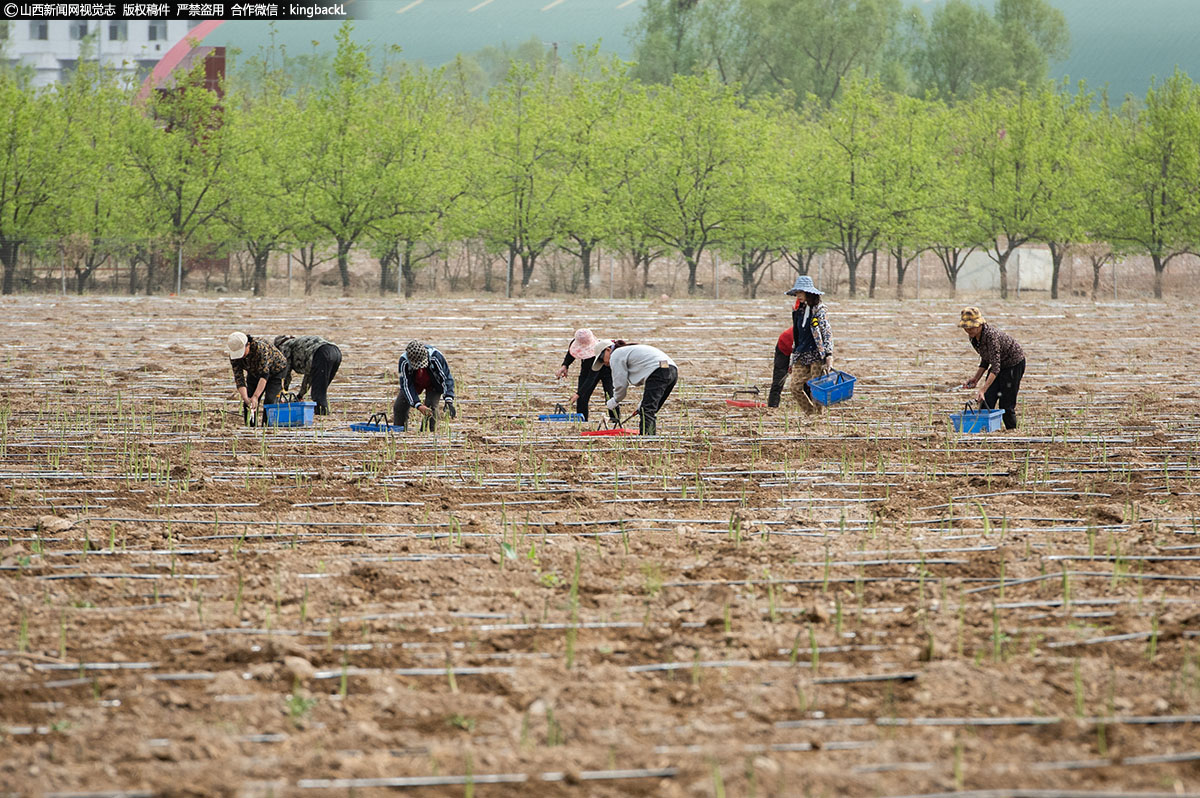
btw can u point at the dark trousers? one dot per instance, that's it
(654, 395)
(779, 373)
(325, 362)
(1003, 393)
(401, 407)
(270, 394)
(588, 380)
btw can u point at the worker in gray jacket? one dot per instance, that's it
(635, 364)
(314, 357)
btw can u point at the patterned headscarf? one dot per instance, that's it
(417, 354)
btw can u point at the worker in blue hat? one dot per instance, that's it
(812, 342)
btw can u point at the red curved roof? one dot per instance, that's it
(175, 56)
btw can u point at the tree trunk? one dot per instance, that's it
(852, 273)
(1096, 266)
(645, 261)
(406, 266)
(692, 259)
(585, 261)
(528, 261)
(308, 262)
(151, 271)
(8, 257)
(901, 268)
(874, 271)
(747, 268)
(385, 270)
(260, 271)
(343, 260)
(1002, 263)
(1056, 259)
(1159, 266)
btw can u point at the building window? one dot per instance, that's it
(79, 29)
(39, 30)
(158, 31)
(118, 31)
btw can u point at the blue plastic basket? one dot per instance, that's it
(290, 414)
(973, 421)
(837, 386)
(363, 426)
(561, 417)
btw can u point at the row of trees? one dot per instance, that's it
(813, 47)
(407, 165)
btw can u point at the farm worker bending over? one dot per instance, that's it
(782, 364)
(256, 363)
(812, 342)
(1001, 358)
(423, 368)
(634, 364)
(583, 348)
(315, 358)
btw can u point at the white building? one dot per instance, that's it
(52, 47)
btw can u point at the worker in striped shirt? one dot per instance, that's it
(423, 369)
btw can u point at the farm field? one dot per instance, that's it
(753, 603)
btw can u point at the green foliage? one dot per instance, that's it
(732, 152)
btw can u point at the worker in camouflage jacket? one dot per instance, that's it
(314, 358)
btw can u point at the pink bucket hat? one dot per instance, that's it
(584, 345)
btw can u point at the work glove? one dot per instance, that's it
(450, 409)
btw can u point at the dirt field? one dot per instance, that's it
(752, 604)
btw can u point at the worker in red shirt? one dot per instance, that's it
(783, 363)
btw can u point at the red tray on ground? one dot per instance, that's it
(609, 432)
(744, 403)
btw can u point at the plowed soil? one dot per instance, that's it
(755, 602)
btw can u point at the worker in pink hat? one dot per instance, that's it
(583, 349)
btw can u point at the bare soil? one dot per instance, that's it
(753, 603)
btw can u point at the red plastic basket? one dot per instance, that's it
(744, 403)
(608, 432)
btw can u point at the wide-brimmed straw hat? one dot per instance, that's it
(971, 318)
(601, 345)
(584, 344)
(804, 284)
(235, 345)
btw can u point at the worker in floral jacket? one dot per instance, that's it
(812, 342)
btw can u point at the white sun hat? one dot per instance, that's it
(235, 347)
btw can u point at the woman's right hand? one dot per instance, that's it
(971, 383)
(574, 398)
(562, 372)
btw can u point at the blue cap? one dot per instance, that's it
(804, 283)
